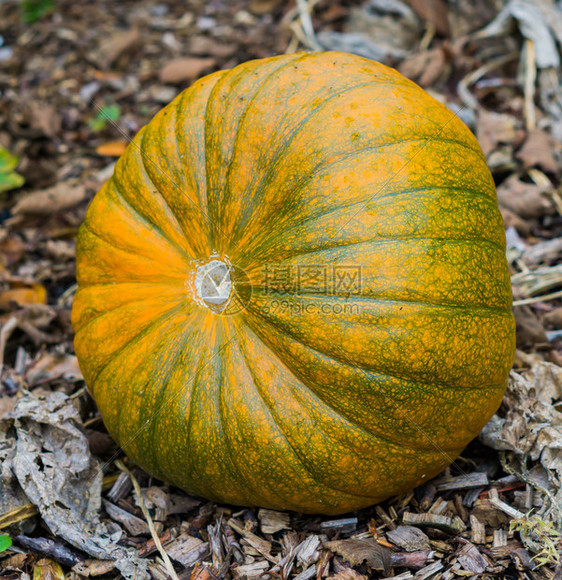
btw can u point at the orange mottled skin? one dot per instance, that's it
(297, 160)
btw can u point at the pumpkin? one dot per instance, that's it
(293, 291)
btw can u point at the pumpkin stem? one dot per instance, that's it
(213, 284)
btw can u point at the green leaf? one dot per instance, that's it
(9, 179)
(5, 542)
(34, 10)
(105, 114)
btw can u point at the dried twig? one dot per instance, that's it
(167, 562)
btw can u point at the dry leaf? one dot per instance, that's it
(260, 7)
(531, 427)
(53, 365)
(527, 200)
(50, 457)
(181, 70)
(112, 148)
(45, 119)
(434, 11)
(120, 44)
(23, 295)
(58, 198)
(493, 129)
(7, 405)
(46, 569)
(370, 551)
(538, 151)
(529, 330)
(424, 67)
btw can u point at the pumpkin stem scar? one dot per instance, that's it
(213, 285)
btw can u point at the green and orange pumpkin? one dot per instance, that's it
(273, 184)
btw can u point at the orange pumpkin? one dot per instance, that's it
(293, 291)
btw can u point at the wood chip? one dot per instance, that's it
(467, 481)
(121, 488)
(308, 551)
(259, 544)
(253, 570)
(308, 573)
(444, 523)
(500, 538)
(272, 521)
(409, 538)
(428, 571)
(187, 550)
(55, 199)
(471, 559)
(185, 69)
(345, 525)
(133, 524)
(477, 530)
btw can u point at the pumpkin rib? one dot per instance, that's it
(248, 487)
(178, 278)
(112, 243)
(289, 334)
(195, 386)
(268, 239)
(162, 401)
(144, 158)
(296, 454)
(149, 223)
(78, 327)
(370, 375)
(134, 155)
(342, 414)
(135, 339)
(387, 239)
(259, 188)
(151, 422)
(485, 309)
(242, 223)
(225, 78)
(244, 359)
(183, 103)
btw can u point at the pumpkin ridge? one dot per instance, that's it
(287, 332)
(386, 239)
(171, 276)
(262, 81)
(244, 359)
(286, 144)
(221, 407)
(112, 310)
(297, 455)
(132, 157)
(432, 445)
(297, 224)
(134, 340)
(162, 401)
(342, 414)
(485, 310)
(152, 225)
(118, 246)
(182, 102)
(145, 160)
(241, 226)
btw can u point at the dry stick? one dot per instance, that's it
(536, 299)
(529, 87)
(167, 562)
(462, 88)
(306, 22)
